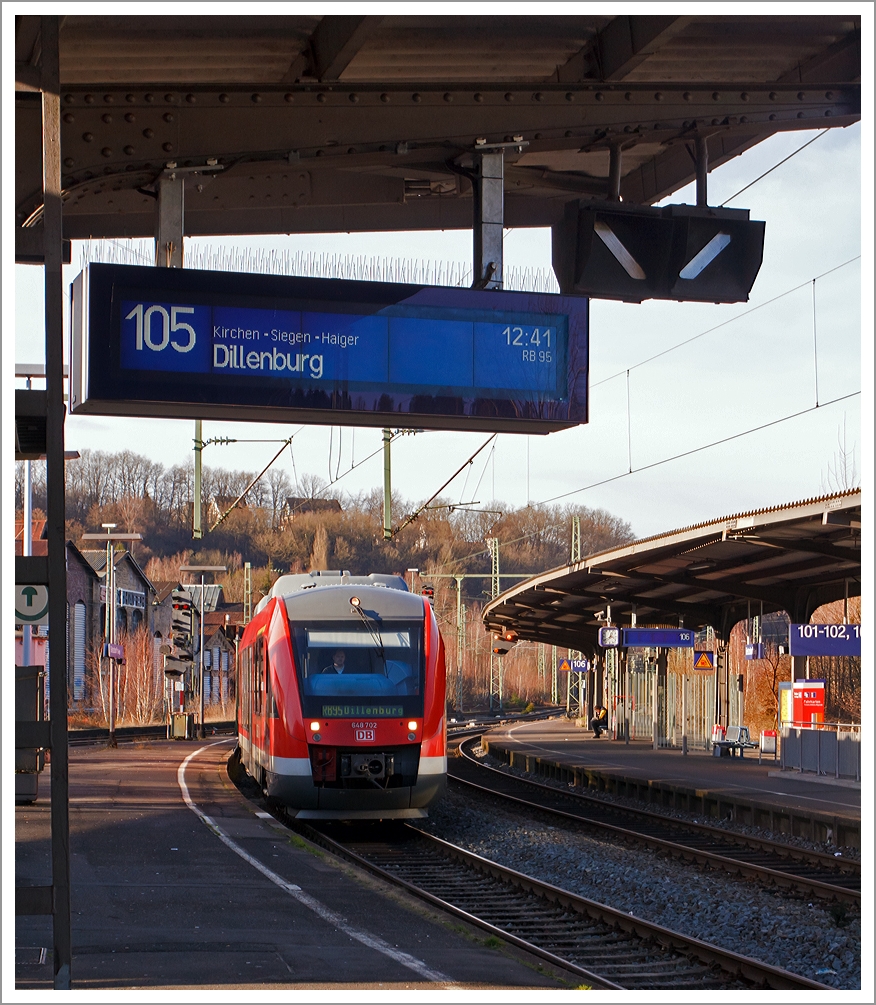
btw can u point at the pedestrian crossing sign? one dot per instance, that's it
(704, 661)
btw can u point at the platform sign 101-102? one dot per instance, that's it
(825, 640)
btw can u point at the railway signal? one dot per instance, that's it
(637, 253)
(175, 667)
(181, 622)
(504, 642)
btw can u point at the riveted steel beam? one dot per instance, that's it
(119, 138)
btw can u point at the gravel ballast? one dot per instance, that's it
(812, 938)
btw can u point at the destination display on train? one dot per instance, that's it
(179, 342)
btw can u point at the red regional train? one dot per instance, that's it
(341, 698)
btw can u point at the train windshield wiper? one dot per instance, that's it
(356, 604)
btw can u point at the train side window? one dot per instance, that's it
(259, 674)
(270, 701)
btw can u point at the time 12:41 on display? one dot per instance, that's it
(515, 335)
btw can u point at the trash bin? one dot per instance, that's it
(768, 744)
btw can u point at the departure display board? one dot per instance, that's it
(670, 638)
(186, 343)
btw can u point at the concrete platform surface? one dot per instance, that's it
(164, 900)
(733, 779)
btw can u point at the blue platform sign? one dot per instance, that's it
(580, 666)
(825, 640)
(670, 638)
(754, 650)
(187, 343)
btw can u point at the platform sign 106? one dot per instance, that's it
(825, 640)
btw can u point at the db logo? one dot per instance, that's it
(364, 734)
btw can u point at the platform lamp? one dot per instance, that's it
(202, 569)
(109, 536)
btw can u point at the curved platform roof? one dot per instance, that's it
(304, 123)
(790, 558)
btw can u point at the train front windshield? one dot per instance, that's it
(349, 670)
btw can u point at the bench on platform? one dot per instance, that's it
(737, 739)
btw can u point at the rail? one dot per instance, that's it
(773, 862)
(604, 946)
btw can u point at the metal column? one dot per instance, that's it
(52, 900)
(496, 667)
(169, 226)
(554, 696)
(460, 641)
(387, 486)
(702, 159)
(575, 551)
(488, 192)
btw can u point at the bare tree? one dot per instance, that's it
(842, 471)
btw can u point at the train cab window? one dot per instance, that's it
(343, 665)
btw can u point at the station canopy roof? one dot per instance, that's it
(792, 558)
(305, 123)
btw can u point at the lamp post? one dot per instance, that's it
(202, 569)
(110, 622)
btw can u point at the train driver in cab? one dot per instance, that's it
(337, 664)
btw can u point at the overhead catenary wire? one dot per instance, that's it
(413, 516)
(773, 168)
(653, 464)
(723, 324)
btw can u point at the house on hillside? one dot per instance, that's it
(299, 505)
(218, 506)
(39, 544)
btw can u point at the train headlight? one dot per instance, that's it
(412, 736)
(412, 726)
(315, 727)
(355, 601)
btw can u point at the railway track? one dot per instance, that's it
(127, 734)
(604, 947)
(812, 873)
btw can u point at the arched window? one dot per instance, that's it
(79, 642)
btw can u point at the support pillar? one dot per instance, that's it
(387, 486)
(169, 225)
(615, 163)
(169, 236)
(488, 191)
(55, 503)
(702, 171)
(460, 641)
(554, 696)
(799, 668)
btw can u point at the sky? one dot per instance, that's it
(744, 367)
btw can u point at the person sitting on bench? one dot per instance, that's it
(599, 722)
